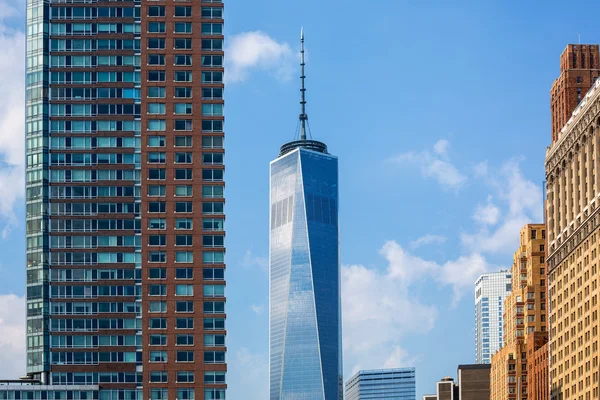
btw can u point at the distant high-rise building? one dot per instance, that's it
(490, 291)
(579, 69)
(124, 199)
(573, 233)
(524, 317)
(473, 384)
(304, 309)
(382, 384)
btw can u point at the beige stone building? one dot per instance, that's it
(573, 220)
(524, 316)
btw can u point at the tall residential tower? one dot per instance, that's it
(573, 229)
(490, 291)
(304, 309)
(125, 237)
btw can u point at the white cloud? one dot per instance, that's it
(251, 261)
(399, 358)
(257, 309)
(250, 371)
(12, 118)
(434, 166)
(381, 307)
(441, 147)
(523, 200)
(480, 169)
(12, 336)
(487, 214)
(427, 240)
(256, 50)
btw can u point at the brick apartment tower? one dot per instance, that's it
(573, 233)
(579, 69)
(125, 221)
(525, 314)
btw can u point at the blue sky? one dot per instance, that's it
(439, 115)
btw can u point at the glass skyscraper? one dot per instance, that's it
(382, 384)
(304, 307)
(490, 292)
(125, 206)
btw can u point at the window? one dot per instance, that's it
(156, 141)
(156, 92)
(214, 377)
(157, 190)
(212, 12)
(214, 290)
(183, 190)
(213, 274)
(184, 307)
(578, 79)
(157, 290)
(214, 394)
(214, 307)
(213, 240)
(157, 223)
(212, 110)
(183, 141)
(212, 29)
(214, 340)
(212, 77)
(533, 233)
(156, 11)
(213, 224)
(156, 174)
(184, 256)
(214, 324)
(185, 356)
(157, 323)
(212, 174)
(183, 27)
(212, 158)
(158, 377)
(185, 377)
(212, 44)
(184, 290)
(183, 11)
(182, 108)
(214, 357)
(212, 191)
(158, 340)
(156, 76)
(157, 257)
(156, 157)
(156, 43)
(183, 92)
(541, 247)
(183, 44)
(184, 240)
(184, 323)
(183, 125)
(183, 174)
(183, 224)
(157, 307)
(184, 273)
(156, 59)
(184, 340)
(158, 356)
(183, 76)
(156, 207)
(212, 93)
(156, 27)
(212, 126)
(212, 142)
(183, 59)
(156, 125)
(212, 61)
(185, 394)
(212, 208)
(157, 273)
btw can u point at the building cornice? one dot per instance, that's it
(574, 130)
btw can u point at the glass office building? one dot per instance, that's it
(382, 384)
(124, 191)
(305, 313)
(490, 292)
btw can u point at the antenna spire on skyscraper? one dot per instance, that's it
(303, 116)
